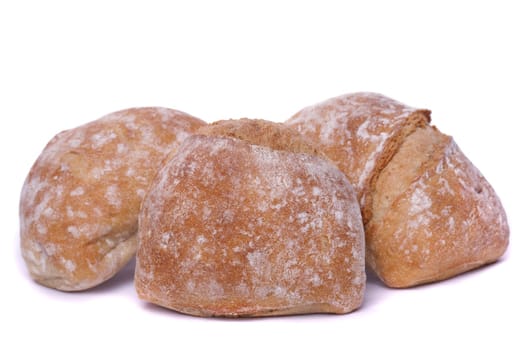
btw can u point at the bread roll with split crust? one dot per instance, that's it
(428, 212)
(79, 204)
(247, 220)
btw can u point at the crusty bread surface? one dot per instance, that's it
(360, 133)
(236, 225)
(428, 212)
(445, 218)
(79, 204)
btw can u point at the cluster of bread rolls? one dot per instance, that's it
(253, 218)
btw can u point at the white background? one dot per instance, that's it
(66, 63)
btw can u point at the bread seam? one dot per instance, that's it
(394, 143)
(433, 159)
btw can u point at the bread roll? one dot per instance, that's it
(428, 212)
(247, 220)
(79, 204)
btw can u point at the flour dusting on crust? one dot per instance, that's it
(252, 231)
(83, 194)
(454, 222)
(429, 214)
(354, 130)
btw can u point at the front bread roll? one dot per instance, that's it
(80, 202)
(245, 220)
(428, 212)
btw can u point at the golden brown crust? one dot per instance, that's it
(428, 212)
(446, 221)
(411, 158)
(80, 201)
(360, 133)
(233, 229)
(277, 136)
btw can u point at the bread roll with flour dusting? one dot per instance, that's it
(428, 212)
(80, 202)
(246, 219)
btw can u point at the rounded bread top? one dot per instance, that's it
(250, 229)
(80, 202)
(359, 132)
